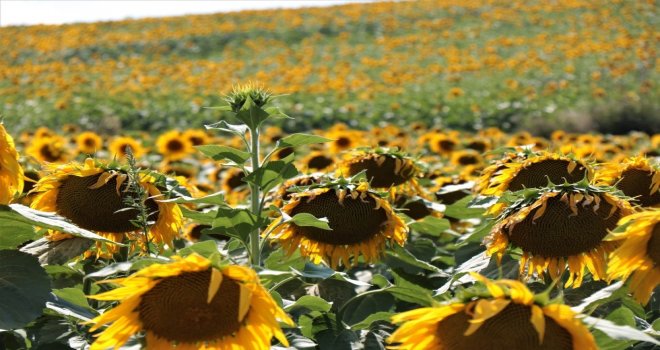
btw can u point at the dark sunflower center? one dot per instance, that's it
(96, 209)
(196, 140)
(343, 142)
(49, 154)
(29, 185)
(467, 160)
(560, 233)
(637, 183)
(416, 209)
(176, 308)
(89, 142)
(510, 329)
(320, 162)
(537, 174)
(477, 146)
(386, 174)
(653, 246)
(236, 180)
(284, 152)
(447, 145)
(353, 221)
(174, 146)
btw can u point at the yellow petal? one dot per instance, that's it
(484, 310)
(214, 285)
(244, 304)
(538, 321)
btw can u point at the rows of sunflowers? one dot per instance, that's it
(466, 64)
(241, 236)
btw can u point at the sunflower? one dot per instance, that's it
(233, 185)
(466, 158)
(49, 149)
(88, 142)
(415, 207)
(190, 304)
(11, 172)
(532, 171)
(361, 222)
(317, 161)
(284, 193)
(385, 169)
(196, 137)
(639, 255)
(635, 177)
(342, 140)
(443, 144)
(560, 226)
(173, 146)
(505, 316)
(93, 196)
(118, 147)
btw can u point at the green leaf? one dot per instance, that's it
(214, 198)
(251, 114)
(307, 219)
(16, 214)
(16, 233)
(310, 303)
(236, 129)
(24, 289)
(226, 108)
(275, 112)
(218, 153)
(204, 218)
(345, 340)
(234, 222)
(205, 249)
(272, 173)
(363, 305)
(74, 296)
(619, 332)
(411, 295)
(398, 256)
(378, 316)
(431, 226)
(295, 140)
(460, 210)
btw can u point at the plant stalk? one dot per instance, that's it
(255, 250)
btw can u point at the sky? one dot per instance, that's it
(18, 12)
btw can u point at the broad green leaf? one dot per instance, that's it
(411, 295)
(295, 140)
(24, 289)
(378, 316)
(218, 153)
(598, 297)
(620, 332)
(16, 233)
(363, 305)
(236, 129)
(204, 218)
(310, 303)
(345, 340)
(234, 222)
(16, 214)
(272, 173)
(74, 296)
(460, 210)
(431, 226)
(307, 219)
(66, 308)
(214, 198)
(205, 249)
(251, 114)
(399, 256)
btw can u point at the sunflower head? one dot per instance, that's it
(232, 183)
(466, 158)
(88, 142)
(444, 144)
(360, 222)
(240, 93)
(503, 315)
(294, 185)
(636, 177)
(11, 172)
(343, 140)
(197, 137)
(173, 146)
(638, 257)
(94, 197)
(119, 145)
(533, 170)
(49, 149)
(191, 304)
(384, 168)
(317, 161)
(560, 226)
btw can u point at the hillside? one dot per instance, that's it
(464, 64)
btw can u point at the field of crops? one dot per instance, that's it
(466, 64)
(152, 198)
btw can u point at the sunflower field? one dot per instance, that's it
(328, 205)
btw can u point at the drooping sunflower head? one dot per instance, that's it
(51, 149)
(94, 197)
(89, 142)
(317, 161)
(638, 257)
(535, 171)
(361, 222)
(384, 168)
(190, 304)
(173, 146)
(450, 189)
(11, 172)
(503, 315)
(294, 185)
(197, 137)
(119, 145)
(636, 177)
(558, 227)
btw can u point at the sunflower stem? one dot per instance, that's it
(255, 250)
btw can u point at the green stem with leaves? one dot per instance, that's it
(255, 248)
